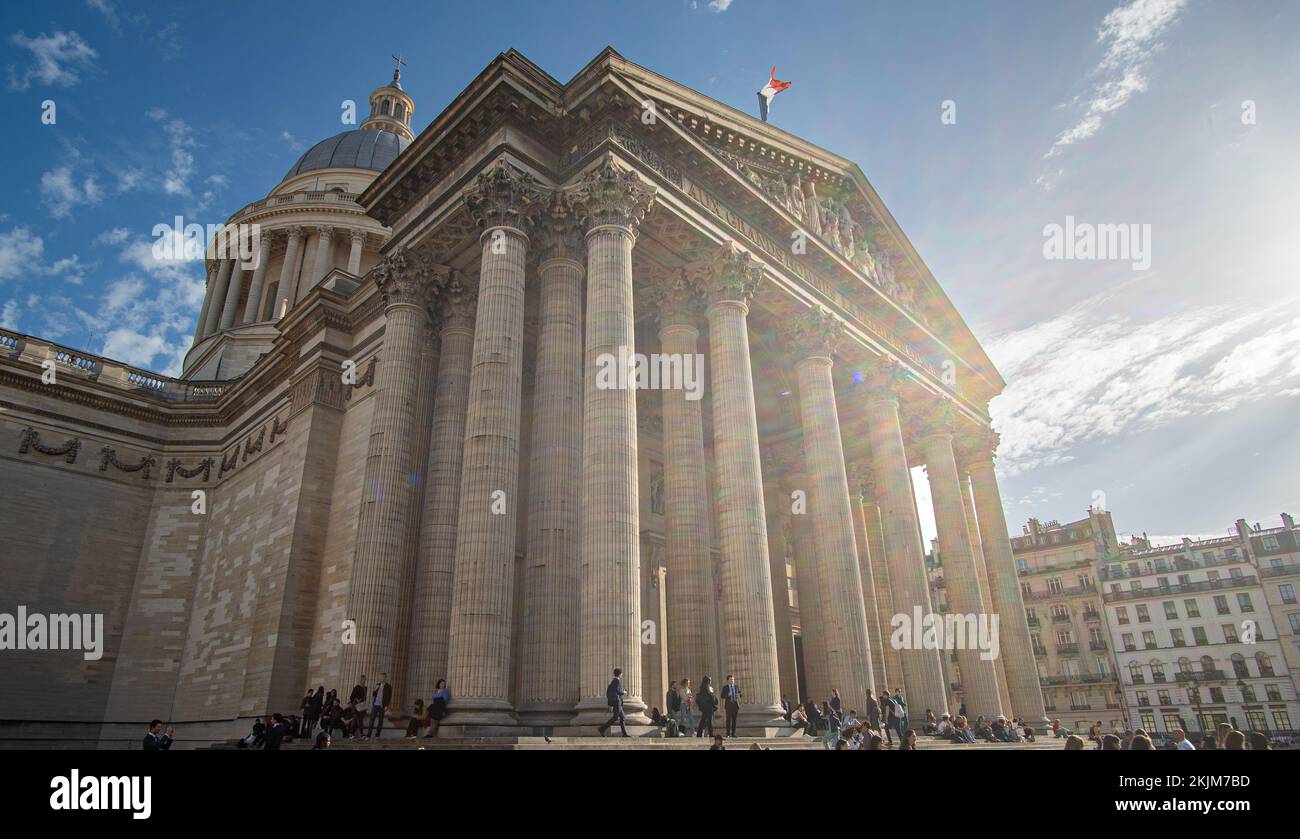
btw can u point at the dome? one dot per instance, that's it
(355, 149)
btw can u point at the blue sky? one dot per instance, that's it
(1174, 391)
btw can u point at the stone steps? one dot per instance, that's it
(640, 743)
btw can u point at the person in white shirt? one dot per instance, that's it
(1181, 743)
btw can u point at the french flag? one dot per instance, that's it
(771, 89)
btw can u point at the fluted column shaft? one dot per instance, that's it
(233, 288)
(549, 673)
(979, 684)
(922, 671)
(869, 597)
(387, 496)
(482, 609)
(321, 266)
(200, 329)
(431, 621)
(610, 586)
(982, 576)
(749, 628)
(843, 613)
(686, 526)
(358, 241)
(252, 307)
(287, 290)
(1004, 590)
(816, 687)
(777, 509)
(217, 297)
(892, 675)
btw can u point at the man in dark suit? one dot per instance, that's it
(155, 739)
(276, 733)
(614, 698)
(379, 702)
(731, 704)
(357, 700)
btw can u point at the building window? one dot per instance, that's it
(1143, 698)
(1121, 615)
(1157, 672)
(1243, 602)
(1143, 615)
(1130, 646)
(1288, 593)
(1281, 721)
(1193, 608)
(1247, 693)
(1171, 721)
(1171, 610)
(1148, 722)
(1176, 635)
(1162, 696)
(1270, 543)
(1265, 664)
(1221, 605)
(1256, 721)
(1230, 633)
(1216, 696)
(1239, 666)
(1199, 637)
(1273, 693)
(1135, 674)
(1054, 585)
(1293, 618)
(1234, 573)
(1148, 640)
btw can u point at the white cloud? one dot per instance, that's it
(62, 190)
(19, 252)
(9, 316)
(115, 236)
(58, 59)
(1130, 35)
(1096, 372)
(175, 181)
(719, 6)
(109, 11)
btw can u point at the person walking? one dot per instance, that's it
(357, 701)
(831, 740)
(673, 702)
(731, 704)
(707, 701)
(614, 698)
(873, 712)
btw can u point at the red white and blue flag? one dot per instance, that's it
(769, 90)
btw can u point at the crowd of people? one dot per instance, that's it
(1224, 736)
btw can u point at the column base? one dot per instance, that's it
(596, 712)
(546, 714)
(757, 716)
(480, 712)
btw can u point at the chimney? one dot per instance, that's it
(1288, 522)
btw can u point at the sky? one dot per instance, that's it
(1164, 385)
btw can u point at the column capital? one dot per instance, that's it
(729, 274)
(977, 447)
(357, 237)
(503, 196)
(325, 231)
(938, 419)
(559, 234)
(816, 332)
(884, 379)
(675, 302)
(458, 301)
(611, 195)
(409, 277)
(862, 479)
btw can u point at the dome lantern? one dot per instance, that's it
(390, 106)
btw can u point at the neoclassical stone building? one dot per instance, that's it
(411, 465)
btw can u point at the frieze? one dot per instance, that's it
(108, 457)
(203, 467)
(31, 441)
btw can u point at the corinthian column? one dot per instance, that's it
(749, 628)
(839, 578)
(1004, 585)
(231, 304)
(431, 621)
(482, 606)
(978, 680)
(981, 569)
(407, 282)
(814, 687)
(686, 499)
(286, 291)
(218, 297)
(357, 241)
(921, 670)
(867, 562)
(549, 635)
(263, 258)
(200, 330)
(777, 508)
(610, 203)
(321, 267)
(891, 674)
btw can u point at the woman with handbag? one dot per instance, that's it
(438, 708)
